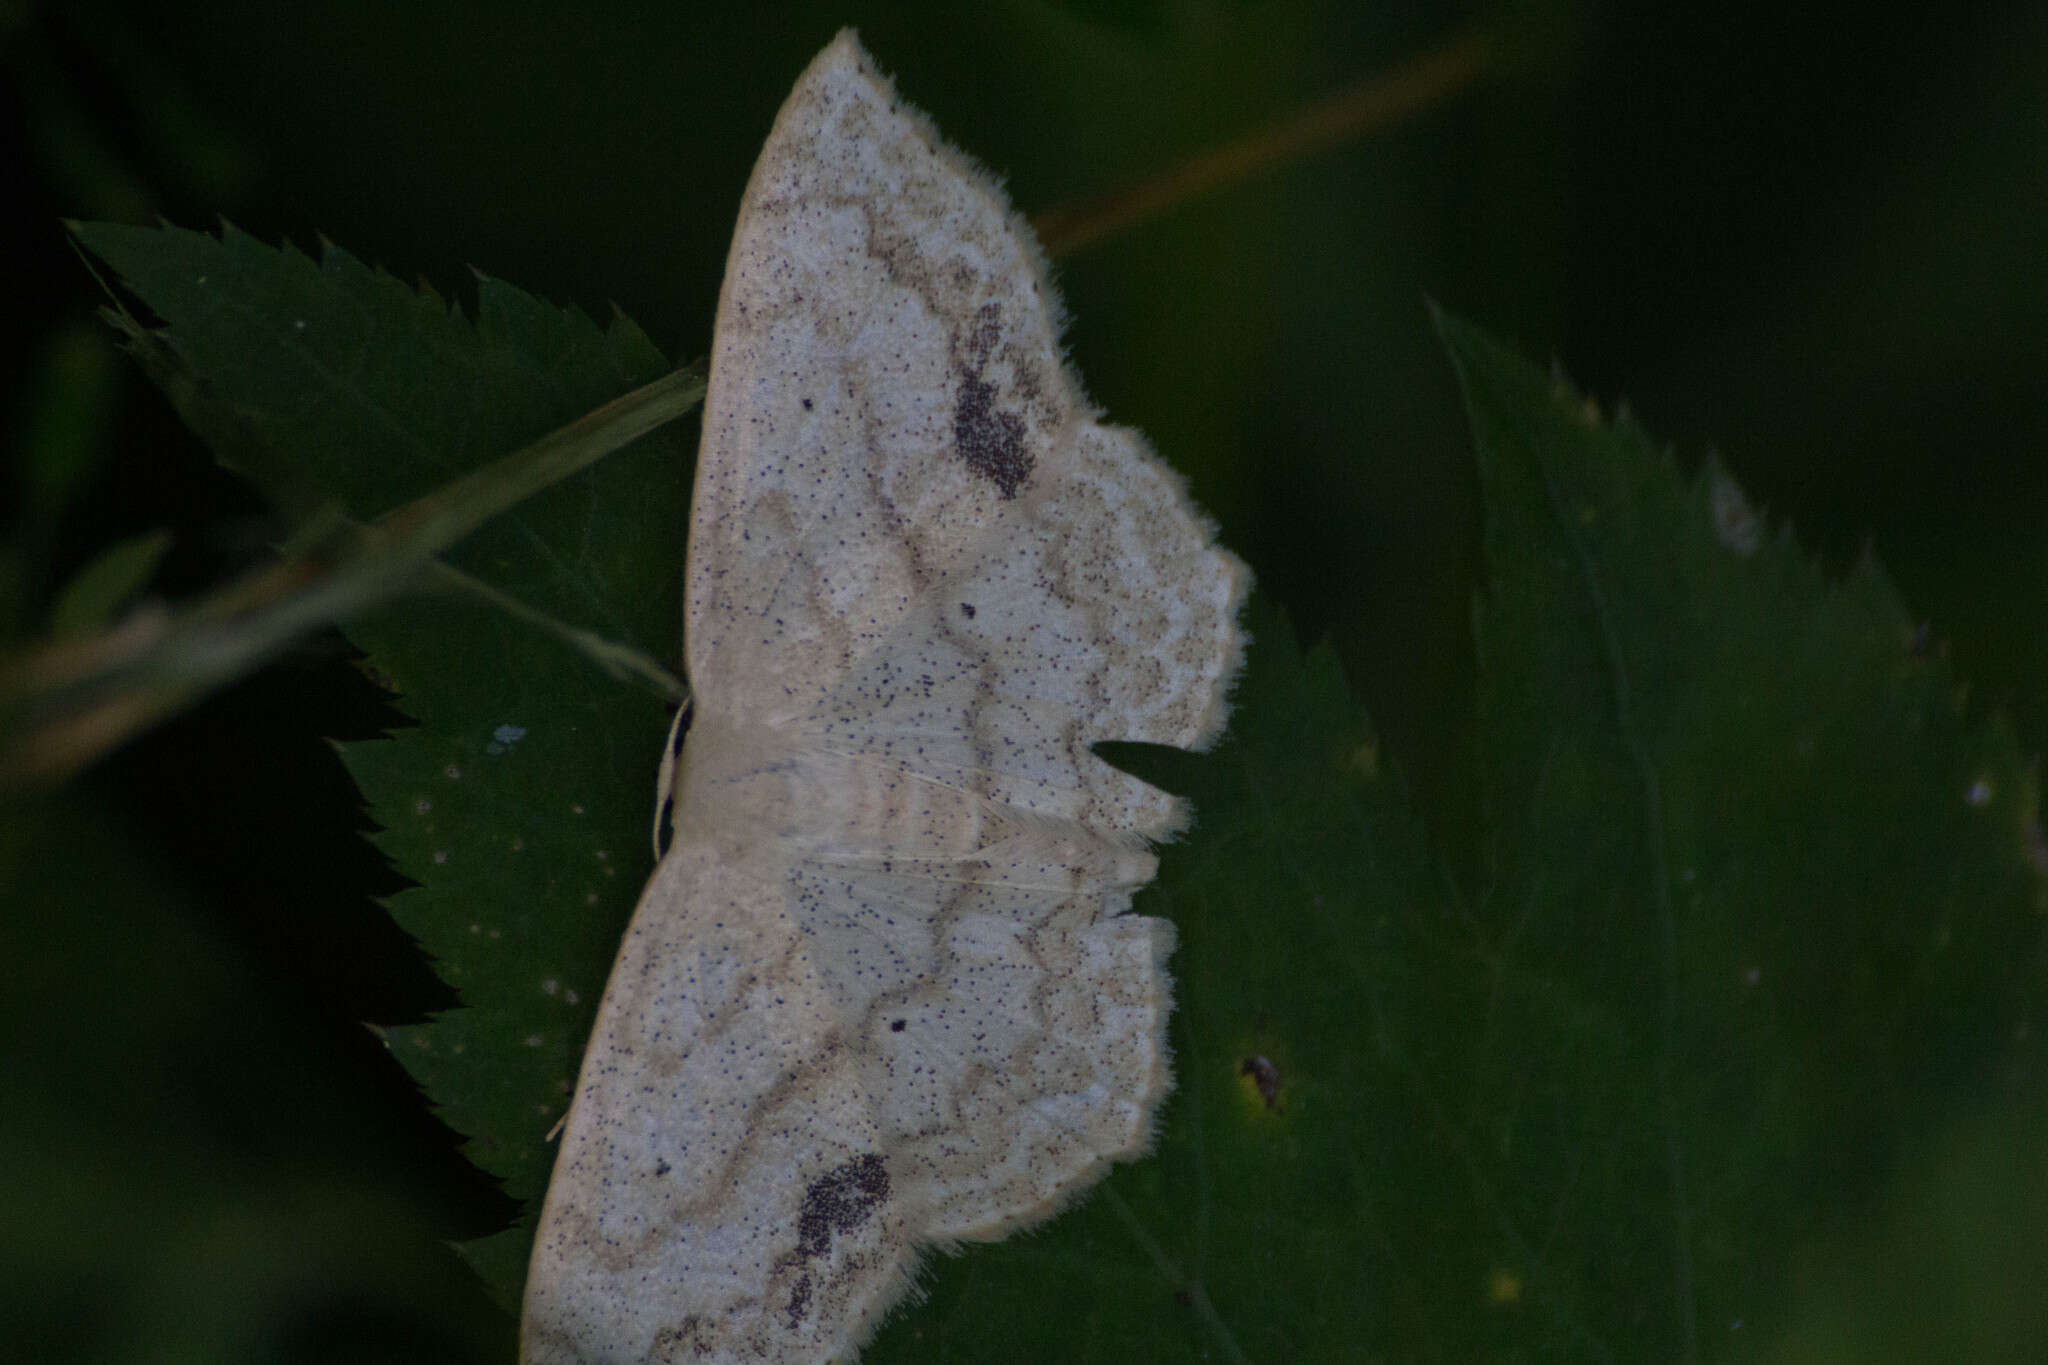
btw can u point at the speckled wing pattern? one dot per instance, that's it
(882, 993)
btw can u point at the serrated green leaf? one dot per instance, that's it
(520, 801)
(1759, 912)
(355, 391)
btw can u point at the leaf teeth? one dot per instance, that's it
(333, 385)
(1721, 811)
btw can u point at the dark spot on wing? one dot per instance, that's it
(989, 439)
(838, 1201)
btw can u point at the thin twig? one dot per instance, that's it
(1376, 103)
(69, 702)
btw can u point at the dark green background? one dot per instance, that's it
(1809, 238)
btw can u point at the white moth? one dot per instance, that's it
(883, 994)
